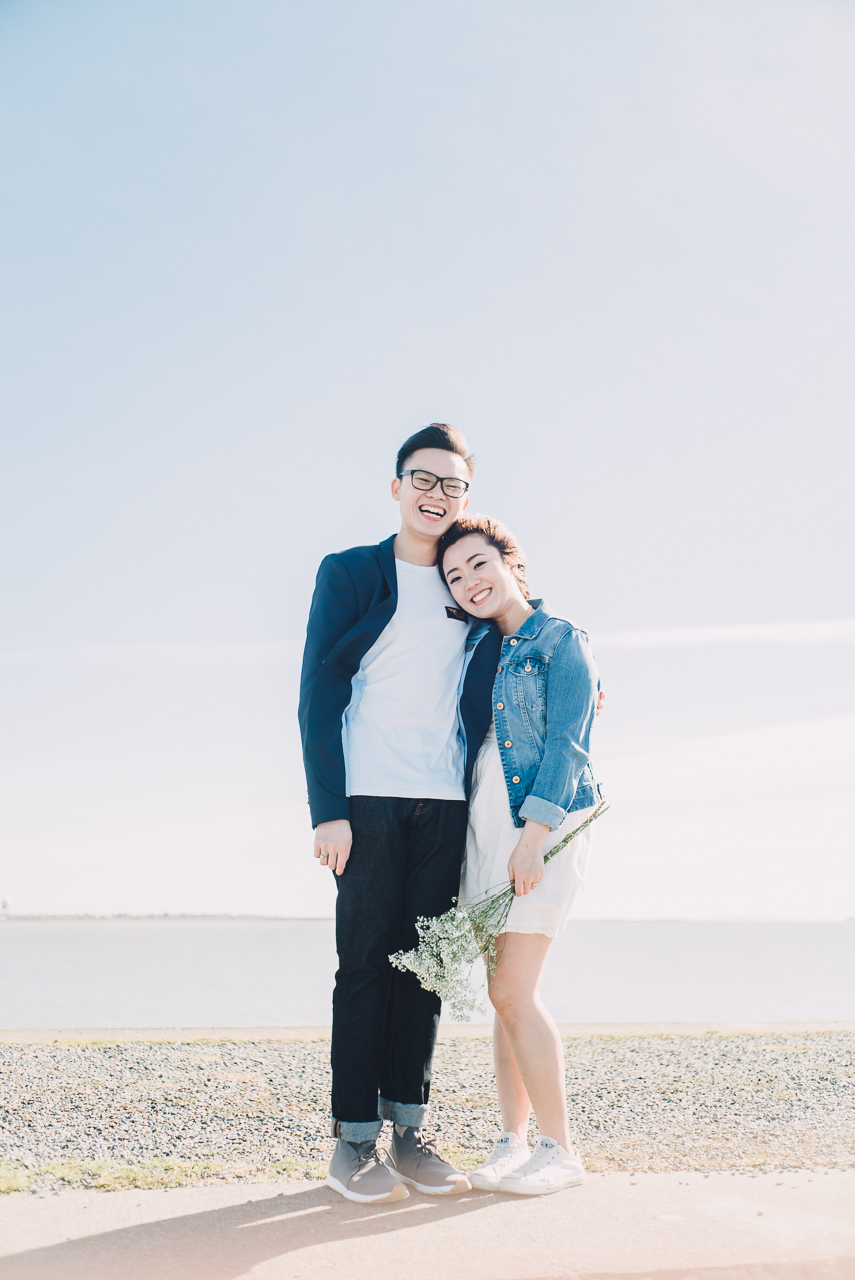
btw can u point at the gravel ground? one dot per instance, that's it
(166, 1114)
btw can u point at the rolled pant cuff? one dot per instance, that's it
(357, 1130)
(411, 1114)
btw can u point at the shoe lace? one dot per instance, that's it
(424, 1145)
(377, 1155)
(540, 1157)
(501, 1152)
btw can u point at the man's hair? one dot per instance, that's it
(439, 435)
(497, 535)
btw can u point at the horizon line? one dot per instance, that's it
(213, 917)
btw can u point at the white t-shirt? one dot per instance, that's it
(400, 731)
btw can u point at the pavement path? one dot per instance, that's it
(654, 1226)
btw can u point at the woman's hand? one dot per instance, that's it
(525, 866)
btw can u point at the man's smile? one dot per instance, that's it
(433, 512)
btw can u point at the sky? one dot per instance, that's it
(247, 249)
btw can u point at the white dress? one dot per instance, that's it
(492, 838)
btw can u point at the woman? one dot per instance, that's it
(532, 784)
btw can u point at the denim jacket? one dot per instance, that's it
(544, 699)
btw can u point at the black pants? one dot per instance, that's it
(404, 862)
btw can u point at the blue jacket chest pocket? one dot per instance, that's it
(529, 682)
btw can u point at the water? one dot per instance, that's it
(277, 973)
(177, 785)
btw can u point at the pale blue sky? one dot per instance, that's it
(247, 248)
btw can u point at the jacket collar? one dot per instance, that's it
(535, 621)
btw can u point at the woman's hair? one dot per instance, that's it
(497, 536)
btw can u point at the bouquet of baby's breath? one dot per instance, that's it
(450, 944)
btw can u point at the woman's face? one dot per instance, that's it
(478, 577)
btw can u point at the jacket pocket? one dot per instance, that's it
(529, 683)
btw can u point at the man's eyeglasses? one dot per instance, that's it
(426, 480)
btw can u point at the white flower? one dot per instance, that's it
(443, 960)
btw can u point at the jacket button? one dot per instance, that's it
(500, 706)
(498, 670)
(509, 743)
(515, 642)
(515, 778)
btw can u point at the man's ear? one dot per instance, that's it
(465, 502)
(396, 488)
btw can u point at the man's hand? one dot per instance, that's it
(601, 697)
(525, 866)
(332, 844)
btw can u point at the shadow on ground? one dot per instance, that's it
(222, 1244)
(226, 1243)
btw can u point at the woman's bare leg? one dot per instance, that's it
(514, 1101)
(531, 1035)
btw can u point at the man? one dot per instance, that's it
(389, 700)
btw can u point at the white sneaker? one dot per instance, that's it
(550, 1168)
(509, 1153)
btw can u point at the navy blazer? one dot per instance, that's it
(356, 594)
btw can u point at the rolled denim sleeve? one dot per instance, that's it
(572, 684)
(542, 811)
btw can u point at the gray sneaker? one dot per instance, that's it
(414, 1160)
(358, 1173)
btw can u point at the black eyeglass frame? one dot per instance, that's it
(442, 481)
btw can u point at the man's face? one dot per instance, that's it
(429, 513)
